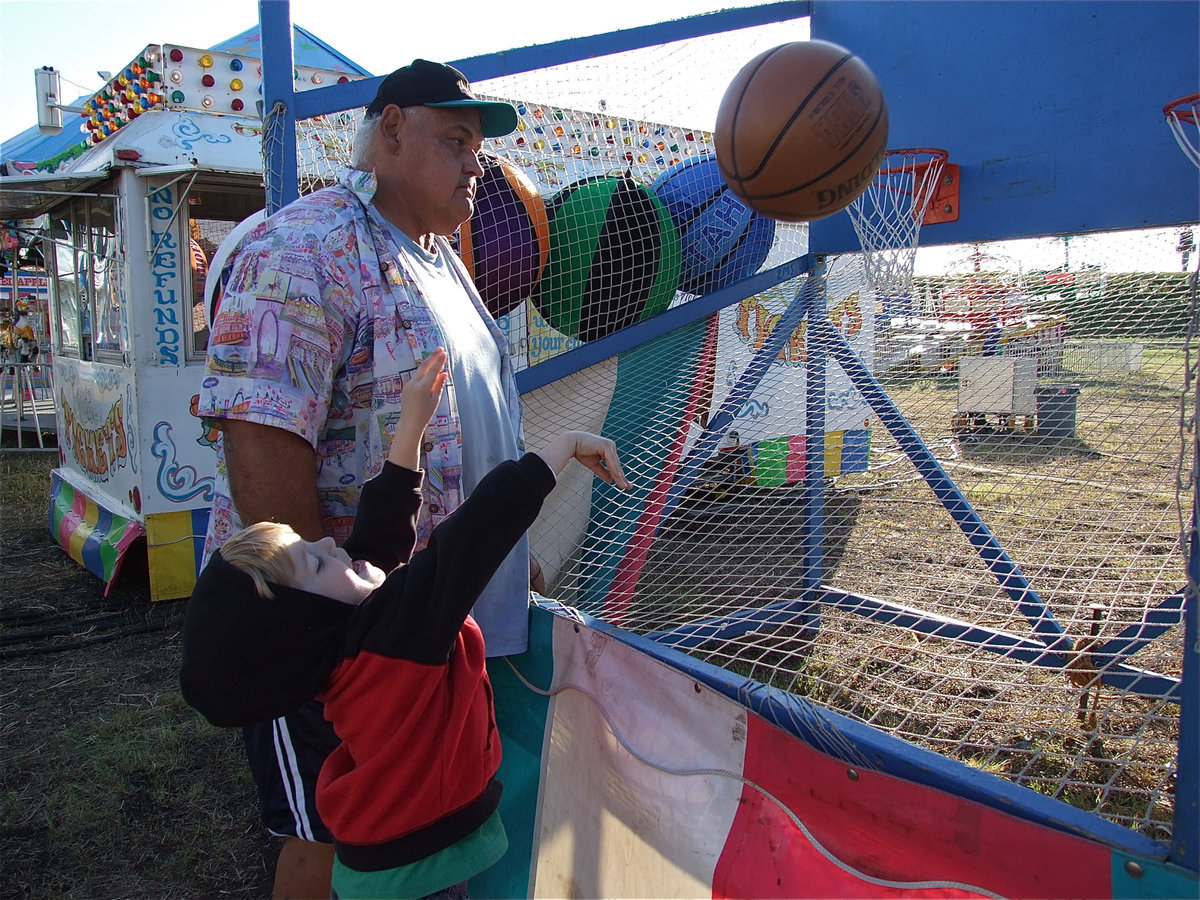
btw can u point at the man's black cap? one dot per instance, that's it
(426, 83)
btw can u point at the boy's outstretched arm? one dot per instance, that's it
(443, 581)
(385, 526)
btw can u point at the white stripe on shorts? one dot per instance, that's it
(293, 784)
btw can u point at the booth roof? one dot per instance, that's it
(30, 148)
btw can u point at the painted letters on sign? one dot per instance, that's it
(165, 261)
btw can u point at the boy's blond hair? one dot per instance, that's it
(256, 550)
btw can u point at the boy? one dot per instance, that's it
(387, 643)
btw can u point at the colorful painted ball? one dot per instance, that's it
(723, 240)
(506, 243)
(614, 257)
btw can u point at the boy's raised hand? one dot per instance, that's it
(418, 401)
(596, 453)
(423, 391)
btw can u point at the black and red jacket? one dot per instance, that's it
(402, 676)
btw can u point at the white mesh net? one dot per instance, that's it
(1078, 466)
(887, 218)
(1183, 115)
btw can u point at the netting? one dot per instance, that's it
(887, 218)
(1043, 376)
(1185, 125)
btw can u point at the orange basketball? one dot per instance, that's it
(801, 131)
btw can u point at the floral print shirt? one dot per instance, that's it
(320, 325)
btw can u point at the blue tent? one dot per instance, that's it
(32, 149)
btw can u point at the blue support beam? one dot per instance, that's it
(589, 354)
(706, 445)
(1012, 646)
(813, 534)
(1185, 830)
(998, 561)
(280, 169)
(1155, 623)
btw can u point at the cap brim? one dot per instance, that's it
(496, 119)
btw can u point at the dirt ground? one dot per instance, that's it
(111, 785)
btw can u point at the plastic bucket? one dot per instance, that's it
(1056, 408)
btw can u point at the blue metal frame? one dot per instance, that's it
(998, 561)
(281, 176)
(747, 383)
(1185, 834)
(589, 354)
(281, 173)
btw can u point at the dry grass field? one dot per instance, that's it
(1092, 521)
(111, 785)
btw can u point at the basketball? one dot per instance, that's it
(723, 240)
(614, 257)
(506, 243)
(801, 131)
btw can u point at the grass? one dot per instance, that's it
(111, 785)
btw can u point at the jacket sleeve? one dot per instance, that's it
(418, 611)
(385, 526)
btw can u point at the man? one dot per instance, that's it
(329, 307)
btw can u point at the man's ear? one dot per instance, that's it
(392, 121)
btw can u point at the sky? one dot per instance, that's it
(81, 37)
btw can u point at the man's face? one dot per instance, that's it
(435, 164)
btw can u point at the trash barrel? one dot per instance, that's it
(1056, 406)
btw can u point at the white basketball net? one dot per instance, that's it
(887, 217)
(1184, 118)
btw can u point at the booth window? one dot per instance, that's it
(85, 272)
(213, 211)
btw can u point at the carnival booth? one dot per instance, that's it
(171, 161)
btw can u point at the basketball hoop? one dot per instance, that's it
(888, 217)
(1183, 115)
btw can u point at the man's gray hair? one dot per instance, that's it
(363, 157)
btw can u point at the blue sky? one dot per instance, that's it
(80, 37)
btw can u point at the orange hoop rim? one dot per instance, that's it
(935, 156)
(1175, 109)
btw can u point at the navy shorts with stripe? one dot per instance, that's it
(285, 758)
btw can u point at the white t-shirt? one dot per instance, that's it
(487, 433)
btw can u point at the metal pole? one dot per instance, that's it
(1185, 832)
(280, 170)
